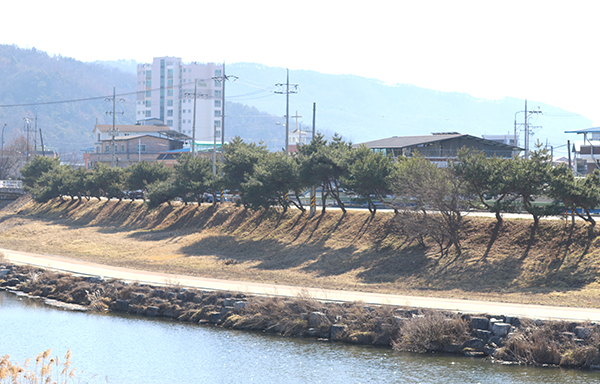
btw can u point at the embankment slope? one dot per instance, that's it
(353, 251)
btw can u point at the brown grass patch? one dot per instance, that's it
(352, 251)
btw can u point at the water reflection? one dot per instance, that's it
(125, 349)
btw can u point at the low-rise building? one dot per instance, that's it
(129, 144)
(586, 152)
(439, 147)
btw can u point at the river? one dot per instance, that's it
(110, 348)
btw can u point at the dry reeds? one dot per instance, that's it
(42, 373)
(431, 331)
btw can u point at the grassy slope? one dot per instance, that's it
(352, 251)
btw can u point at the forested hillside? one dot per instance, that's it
(30, 76)
(359, 109)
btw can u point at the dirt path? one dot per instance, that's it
(471, 306)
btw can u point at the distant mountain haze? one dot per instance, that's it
(358, 108)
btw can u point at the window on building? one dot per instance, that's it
(122, 147)
(217, 93)
(217, 83)
(217, 113)
(217, 103)
(170, 123)
(169, 92)
(170, 112)
(141, 148)
(170, 82)
(149, 83)
(169, 103)
(148, 113)
(169, 73)
(148, 93)
(218, 123)
(217, 72)
(148, 103)
(99, 136)
(107, 149)
(218, 133)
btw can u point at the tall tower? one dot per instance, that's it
(162, 93)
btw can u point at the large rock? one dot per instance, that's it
(483, 334)
(337, 332)
(583, 332)
(239, 306)
(4, 272)
(501, 329)
(122, 305)
(474, 344)
(492, 322)
(151, 311)
(317, 319)
(479, 322)
(214, 317)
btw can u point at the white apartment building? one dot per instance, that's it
(165, 91)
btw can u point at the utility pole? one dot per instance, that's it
(569, 152)
(313, 189)
(526, 134)
(194, 121)
(35, 130)
(222, 79)
(113, 132)
(287, 106)
(527, 112)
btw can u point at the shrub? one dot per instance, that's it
(431, 332)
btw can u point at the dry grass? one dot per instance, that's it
(548, 344)
(47, 370)
(431, 331)
(352, 251)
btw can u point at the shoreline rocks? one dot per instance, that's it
(498, 338)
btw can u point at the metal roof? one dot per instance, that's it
(410, 141)
(585, 130)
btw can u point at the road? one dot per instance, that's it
(79, 267)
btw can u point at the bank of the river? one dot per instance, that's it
(508, 339)
(355, 251)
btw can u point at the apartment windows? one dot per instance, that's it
(148, 93)
(148, 113)
(217, 103)
(107, 149)
(169, 103)
(169, 92)
(218, 123)
(149, 83)
(217, 72)
(169, 112)
(141, 148)
(217, 93)
(170, 123)
(217, 113)
(148, 103)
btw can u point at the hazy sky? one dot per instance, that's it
(545, 51)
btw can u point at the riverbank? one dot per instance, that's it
(498, 338)
(355, 251)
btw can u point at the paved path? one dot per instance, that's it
(471, 306)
